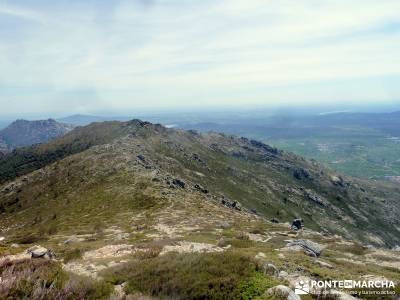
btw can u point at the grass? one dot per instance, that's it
(230, 275)
(72, 254)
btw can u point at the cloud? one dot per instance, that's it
(18, 12)
(174, 53)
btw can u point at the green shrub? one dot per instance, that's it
(256, 286)
(228, 275)
(72, 254)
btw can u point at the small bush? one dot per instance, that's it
(72, 254)
(256, 286)
(226, 275)
(150, 252)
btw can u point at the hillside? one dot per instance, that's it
(363, 145)
(22, 133)
(103, 194)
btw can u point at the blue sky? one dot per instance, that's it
(60, 57)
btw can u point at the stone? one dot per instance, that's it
(39, 251)
(297, 224)
(200, 188)
(179, 183)
(338, 181)
(283, 274)
(300, 174)
(309, 247)
(224, 225)
(260, 255)
(231, 204)
(254, 211)
(73, 239)
(282, 292)
(323, 264)
(275, 220)
(270, 269)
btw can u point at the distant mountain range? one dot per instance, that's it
(80, 120)
(22, 133)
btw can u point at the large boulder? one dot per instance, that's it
(282, 292)
(39, 251)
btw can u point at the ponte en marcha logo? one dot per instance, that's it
(349, 286)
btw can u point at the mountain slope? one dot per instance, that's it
(100, 171)
(22, 133)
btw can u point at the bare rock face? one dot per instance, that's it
(23, 133)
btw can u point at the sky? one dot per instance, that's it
(62, 57)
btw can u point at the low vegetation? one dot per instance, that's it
(194, 276)
(44, 279)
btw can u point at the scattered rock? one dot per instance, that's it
(283, 274)
(141, 158)
(179, 183)
(258, 237)
(310, 195)
(309, 247)
(222, 242)
(109, 251)
(231, 204)
(338, 181)
(224, 225)
(282, 292)
(2, 238)
(297, 224)
(263, 146)
(300, 174)
(73, 239)
(254, 211)
(119, 292)
(191, 247)
(260, 255)
(200, 188)
(270, 269)
(39, 251)
(323, 264)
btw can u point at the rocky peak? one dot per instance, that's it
(23, 132)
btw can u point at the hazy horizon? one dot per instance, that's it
(263, 110)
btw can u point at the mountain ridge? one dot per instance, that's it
(234, 171)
